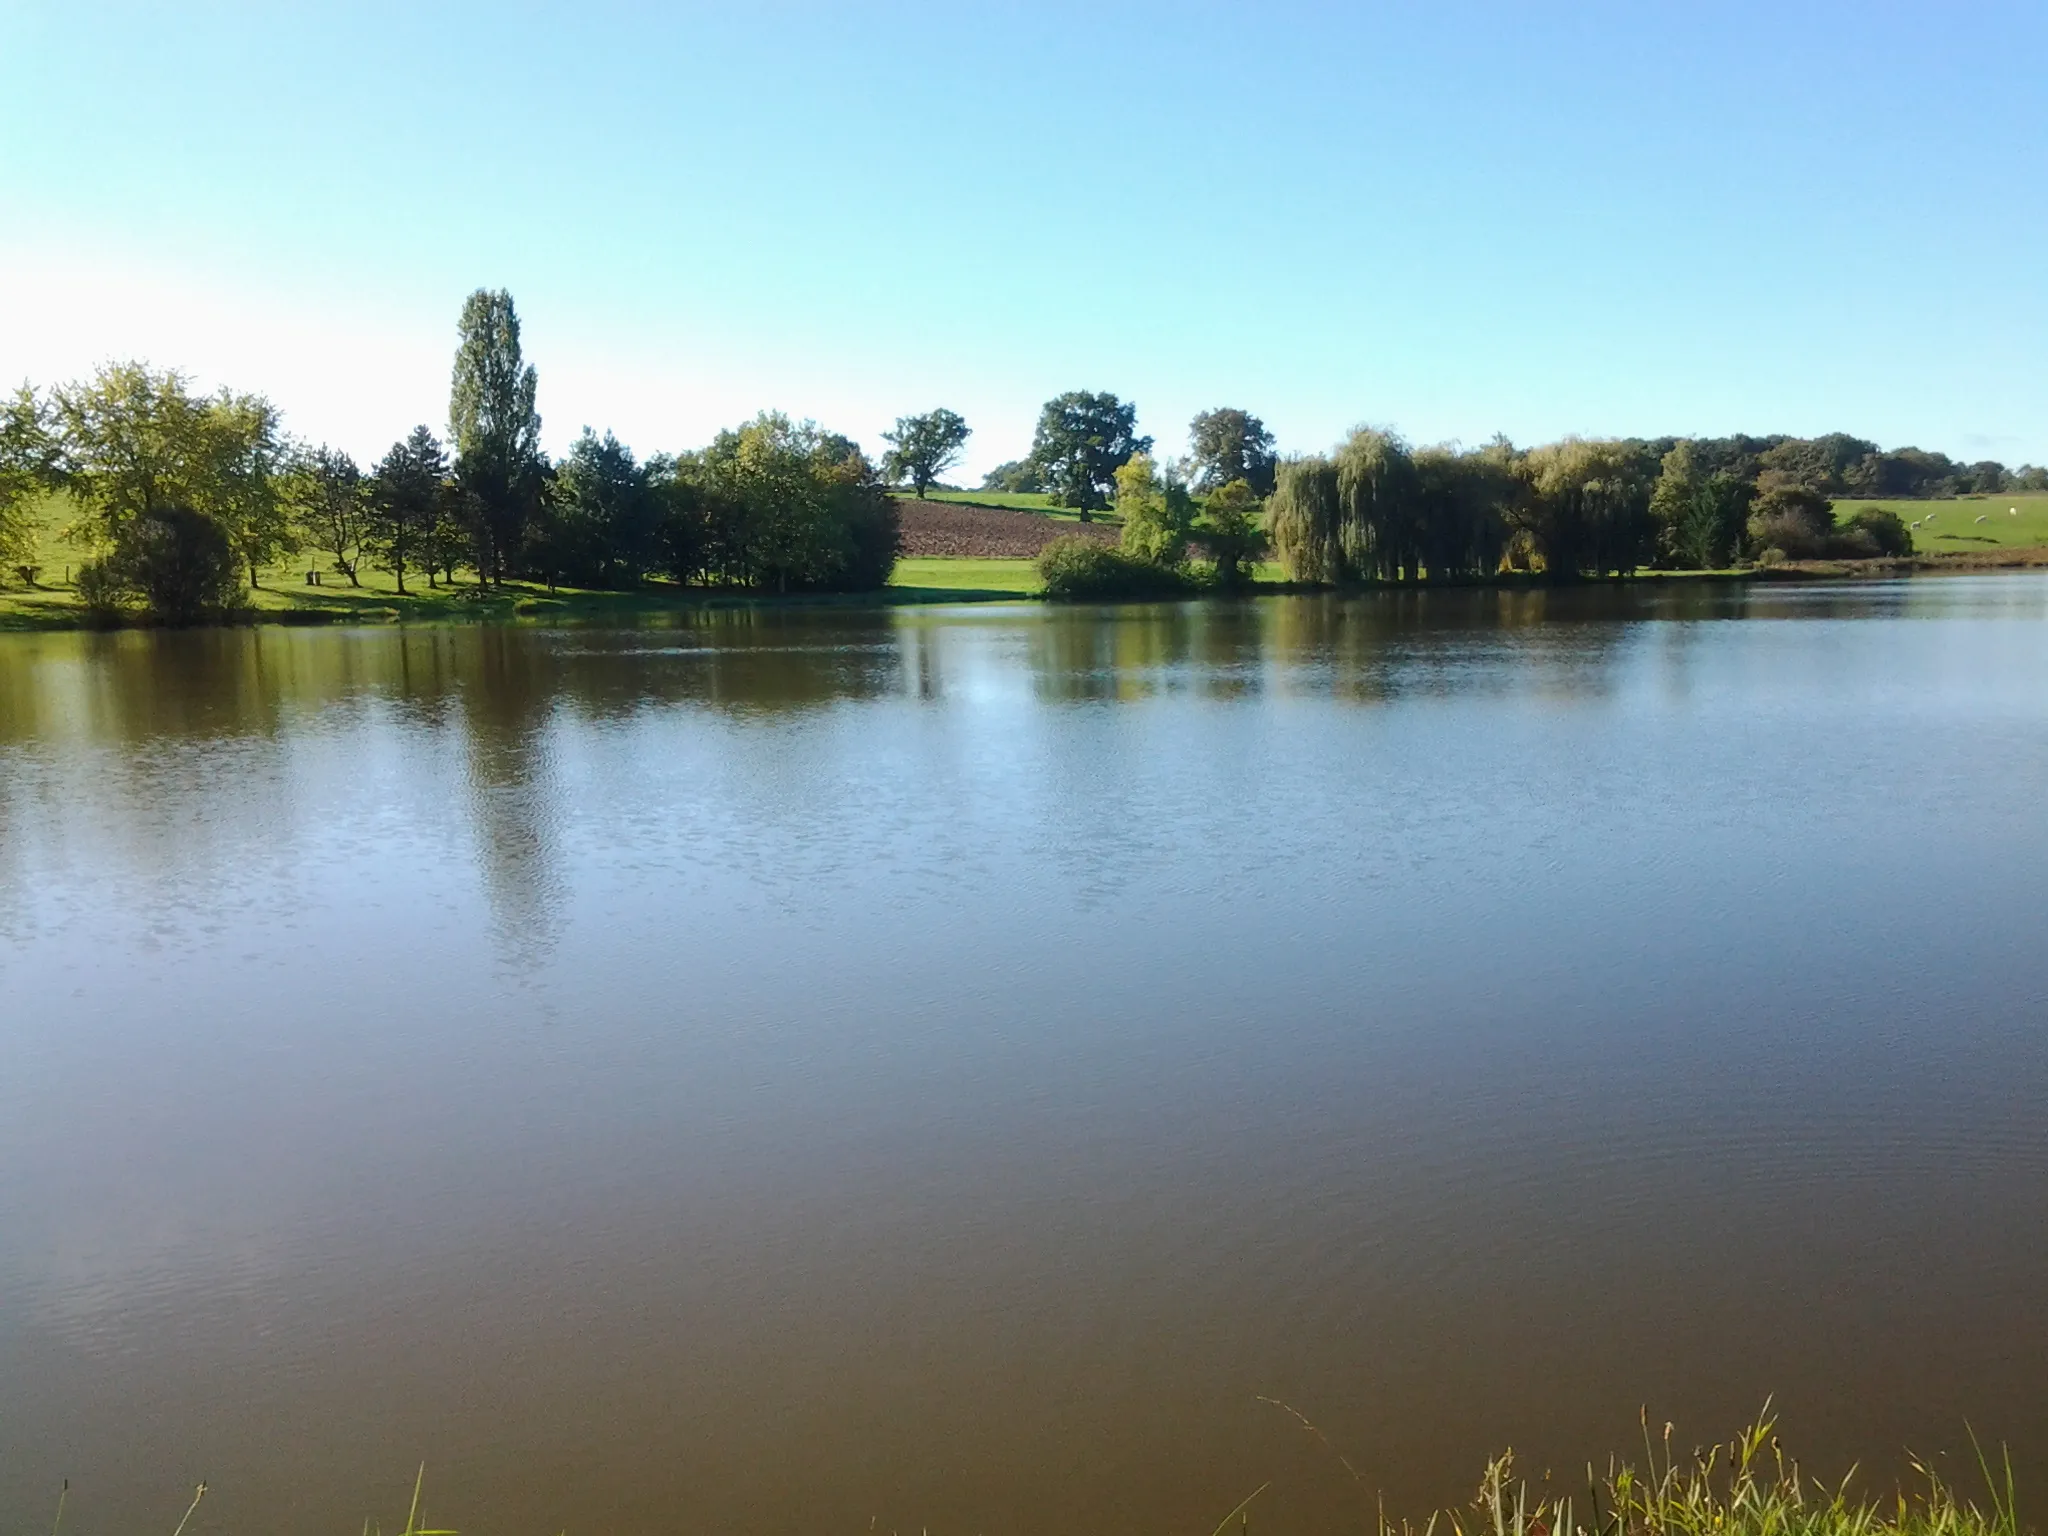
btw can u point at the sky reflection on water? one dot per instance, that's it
(944, 1065)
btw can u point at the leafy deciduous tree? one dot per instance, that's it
(1229, 529)
(1699, 515)
(28, 470)
(923, 447)
(1157, 512)
(331, 504)
(792, 506)
(244, 491)
(1227, 444)
(1018, 477)
(600, 523)
(1081, 442)
(132, 439)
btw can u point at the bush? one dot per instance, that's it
(1792, 536)
(1792, 519)
(1885, 529)
(1874, 533)
(176, 562)
(1078, 567)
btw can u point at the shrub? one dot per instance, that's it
(1886, 530)
(1793, 537)
(1795, 533)
(1792, 519)
(1077, 567)
(175, 561)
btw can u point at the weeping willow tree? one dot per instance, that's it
(1301, 519)
(1586, 505)
(1374, 511)
(1377, 528)
(1459, 500)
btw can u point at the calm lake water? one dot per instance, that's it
(948, 1067)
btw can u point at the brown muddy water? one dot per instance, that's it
(945, 1068)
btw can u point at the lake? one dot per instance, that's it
(965, 1068)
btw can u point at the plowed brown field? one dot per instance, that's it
(985, 533)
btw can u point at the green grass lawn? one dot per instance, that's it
(1954, 526)
(945, 574)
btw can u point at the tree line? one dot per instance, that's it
(180, 497)
(1377, 508)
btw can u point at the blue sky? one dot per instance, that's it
(1452, 218)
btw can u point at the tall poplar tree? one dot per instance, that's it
(494, 428)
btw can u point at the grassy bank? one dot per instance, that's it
(522, 602)
(1747, 1486)
(917, 580)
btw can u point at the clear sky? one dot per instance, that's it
(1452, 218)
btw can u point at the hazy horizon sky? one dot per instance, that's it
(1453, 218)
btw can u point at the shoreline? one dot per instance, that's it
(43, 610)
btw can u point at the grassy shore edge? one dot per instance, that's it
(57, 608)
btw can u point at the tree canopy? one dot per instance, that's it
(29, 453)
(1227, 444)
(923, 447)
(494, 426)
(788, 506)
(1082, 440)
(599, 524)
(408, 497)
(330, 501)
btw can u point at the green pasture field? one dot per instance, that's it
(2010, 521)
